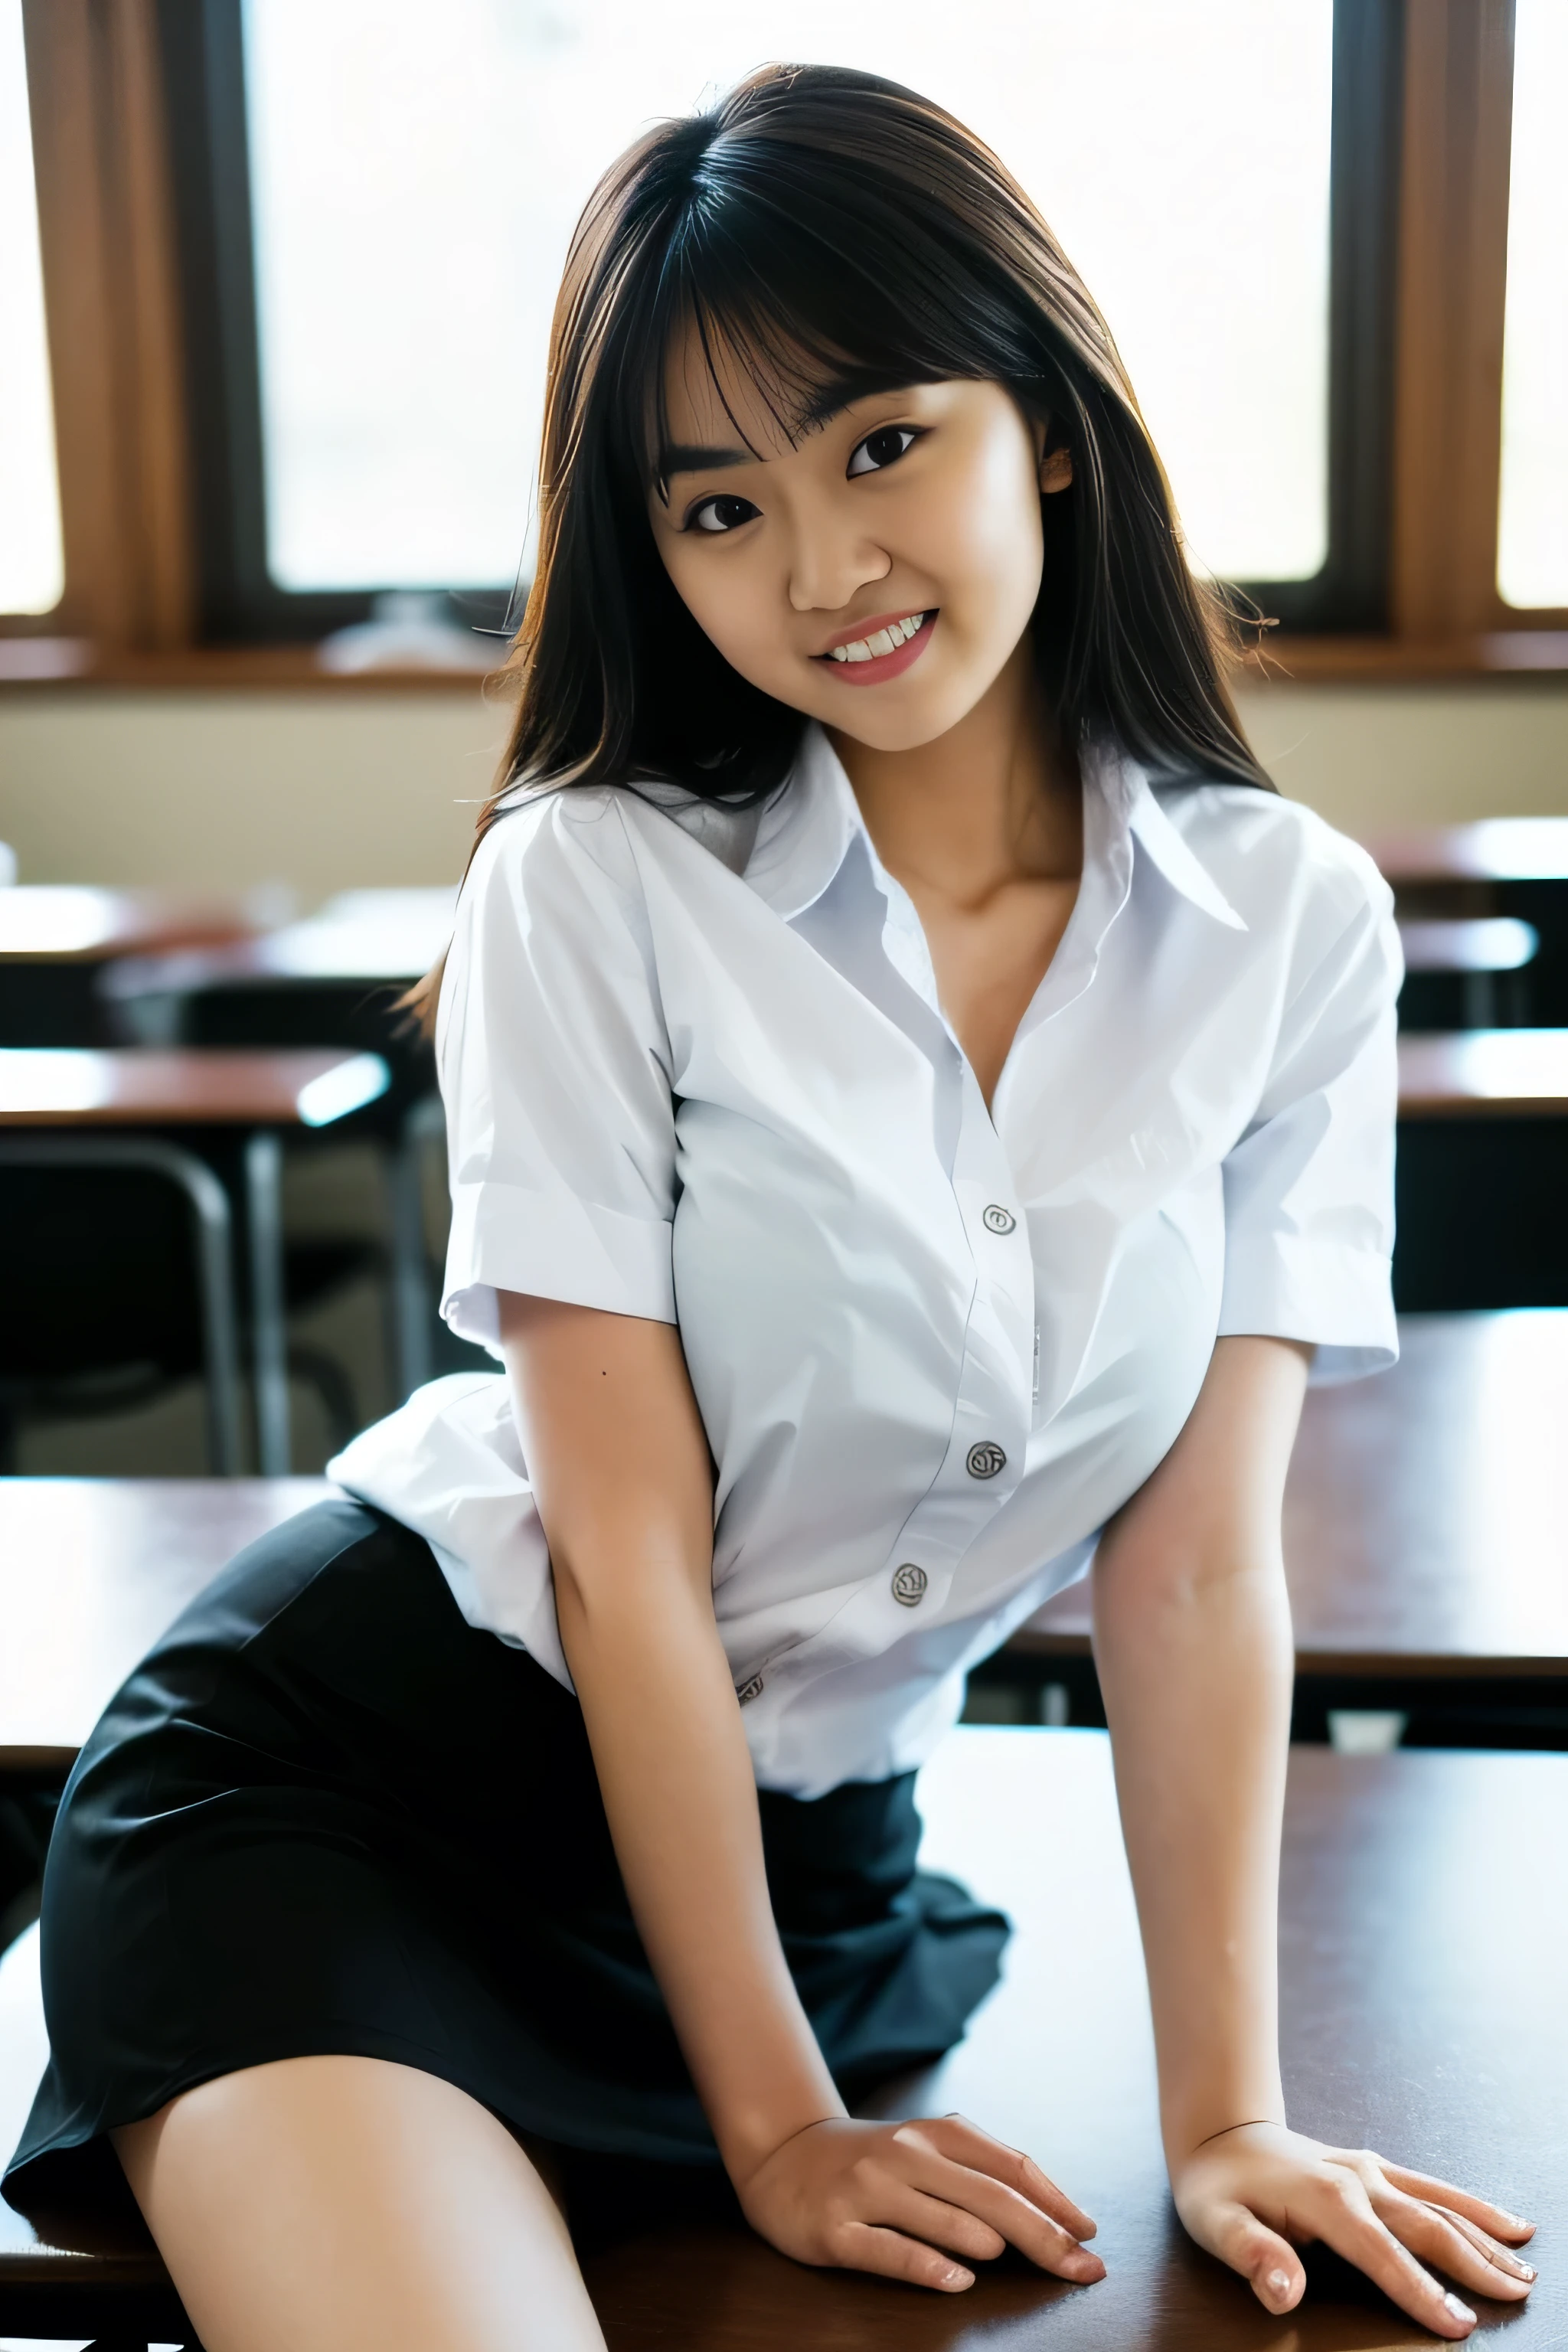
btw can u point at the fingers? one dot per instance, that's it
(866, 2247)
(1260, 2254)
(1342, 2214)
(1493, 2219)
(1457, 2246)
(966, 2144)
(1015, 2219)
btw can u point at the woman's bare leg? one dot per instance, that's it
(348, 2205)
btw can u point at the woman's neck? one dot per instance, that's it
(994, 801)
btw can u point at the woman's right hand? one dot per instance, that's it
(904, 2199)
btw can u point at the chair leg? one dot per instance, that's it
(410, 1267)
(264, 1196)
(215, 1267)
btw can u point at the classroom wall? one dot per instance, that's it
(323, 791)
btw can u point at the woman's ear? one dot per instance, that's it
(1056, 470)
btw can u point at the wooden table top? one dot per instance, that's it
(1427, 1510)
(64, 923)
(1422, 2016)
(1498, 849)
(140, 1086)
(360, 938)
(1425, 1533)
(1484, 1073)
(92, 1571)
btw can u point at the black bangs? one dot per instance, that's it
(825, 234)
(816, 282)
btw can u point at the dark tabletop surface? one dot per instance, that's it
(144, 1086)
(1424, 1919)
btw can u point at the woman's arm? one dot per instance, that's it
(1193, 1642)
(621, 1473)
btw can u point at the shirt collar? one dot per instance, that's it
(1126, 784)
(807, 829)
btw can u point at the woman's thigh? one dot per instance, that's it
(338, 2204)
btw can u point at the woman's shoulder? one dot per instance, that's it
(542, 833)
(1278, 862)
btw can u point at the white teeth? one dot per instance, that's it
(885, 641)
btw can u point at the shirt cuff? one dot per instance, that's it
(552, 1246)
(1334, 1298)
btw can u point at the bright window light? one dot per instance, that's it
(1533, 505)
(32, 563)
(417, 172)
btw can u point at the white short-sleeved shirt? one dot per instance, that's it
(695, 1068)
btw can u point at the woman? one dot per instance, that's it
(919, 1105)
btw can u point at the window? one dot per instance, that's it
(415, 173)
(394, 185)
(298, 263)
(32, 565)
(1533, 505)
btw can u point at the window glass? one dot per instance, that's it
(1532, 510)
(417, 172)
(32, 567)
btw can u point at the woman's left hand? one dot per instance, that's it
(1254, 2194)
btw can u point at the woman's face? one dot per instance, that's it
(879, 575)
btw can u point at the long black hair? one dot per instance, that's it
(836, 235)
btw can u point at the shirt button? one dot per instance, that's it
(750, 1690)
(910, 1584)
(985, 1459)
(998, 1219)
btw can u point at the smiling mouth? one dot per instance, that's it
(880, 642)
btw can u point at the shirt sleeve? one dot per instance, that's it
(555, 1069)
(1309, 1189)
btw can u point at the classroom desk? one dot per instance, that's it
(56, 940)
(333, 980)
(92, 1571)
(1505, 867)
(1468, 975)
(121, 1108)
(328, 980)
(1482, 1170)
(1425, 1524)
(1497, 849)
(1421, 2015)
(1485, 1073)
(1425, 1541)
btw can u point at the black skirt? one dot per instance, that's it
(327, 1815)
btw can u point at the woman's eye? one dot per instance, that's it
(883, 447)
(721, 514)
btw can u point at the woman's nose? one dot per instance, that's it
(829, 563)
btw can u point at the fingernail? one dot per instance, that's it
(1279, 2282)
(1521, 2270)
(1460, 2310)
(955, 2277)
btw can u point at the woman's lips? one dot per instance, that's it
(881, 667)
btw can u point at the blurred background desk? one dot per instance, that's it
(92, 1571)
(1502, 866)
(87, 1273)
(1481, 1178)
(56, 942)
(1425, 1545)
(332, 979)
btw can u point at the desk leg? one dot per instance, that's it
(410, 1275)
(264, 1196)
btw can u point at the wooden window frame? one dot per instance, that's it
(136, 460)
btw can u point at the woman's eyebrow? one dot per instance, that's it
(685, 457)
